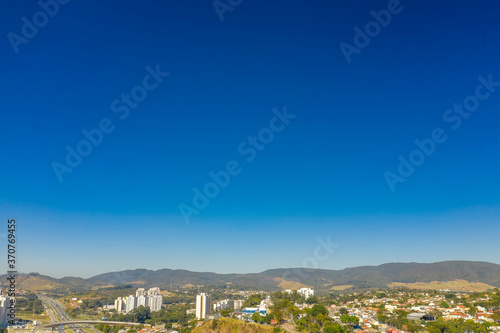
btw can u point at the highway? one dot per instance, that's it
(56, 312)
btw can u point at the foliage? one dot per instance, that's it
(256, 317)
(335, 328)
(443, 304)
(31, 303)
(352, 320)
(318, 309)
(456, 326)
(252, 300)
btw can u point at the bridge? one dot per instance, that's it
(73, 322)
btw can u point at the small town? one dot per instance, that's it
(151, 310)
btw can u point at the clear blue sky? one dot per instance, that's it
(323, 174)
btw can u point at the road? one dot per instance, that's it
(56, 313)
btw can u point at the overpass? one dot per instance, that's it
(72, 322)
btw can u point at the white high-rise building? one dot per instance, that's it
(306, 292)
(131, 303)
(222, 305)
(154, 291)
(238, 304)
(155, 302)
(151, 298)
(4, 303)
(120, 303)
(203, 302)
(142, 300)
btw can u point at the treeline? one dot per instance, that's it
(141, 314)
(30, 303)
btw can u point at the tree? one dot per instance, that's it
(443, 304)
(318, 309)
(343, 311)
(312, 300)
(335, 328)
(141, 314)
(256, 317)
(38, 306)
(73, 313)
(224, 313)
(472, 311)
(252, 300)
(267, 318)
(352, 320)
(450, 296)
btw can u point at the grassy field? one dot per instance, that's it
(44, 318)
(452, 285)
(283, 284)
(342, 287)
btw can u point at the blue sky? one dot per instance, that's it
(323, 174)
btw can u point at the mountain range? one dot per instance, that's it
(463, 275)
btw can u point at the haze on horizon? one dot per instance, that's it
(164, 135)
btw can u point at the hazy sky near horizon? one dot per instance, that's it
(320, 172)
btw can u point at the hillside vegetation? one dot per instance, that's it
(227, 325)
(474, 276)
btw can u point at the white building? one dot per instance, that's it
(154, 291)
(238, 304)
(155, 302)
(142, 300)
(203, 302)
(4, 303)
(120, 304)
(306, 292)
(222, 305)
(131, 303)
(151, 298)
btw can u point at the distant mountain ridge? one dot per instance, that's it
(323, 279)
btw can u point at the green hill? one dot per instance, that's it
(227, 325)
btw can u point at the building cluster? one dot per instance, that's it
(305, 292)
(262, 308)
(225, 304)
(419, 308)
(151, 298)
(206, 310)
